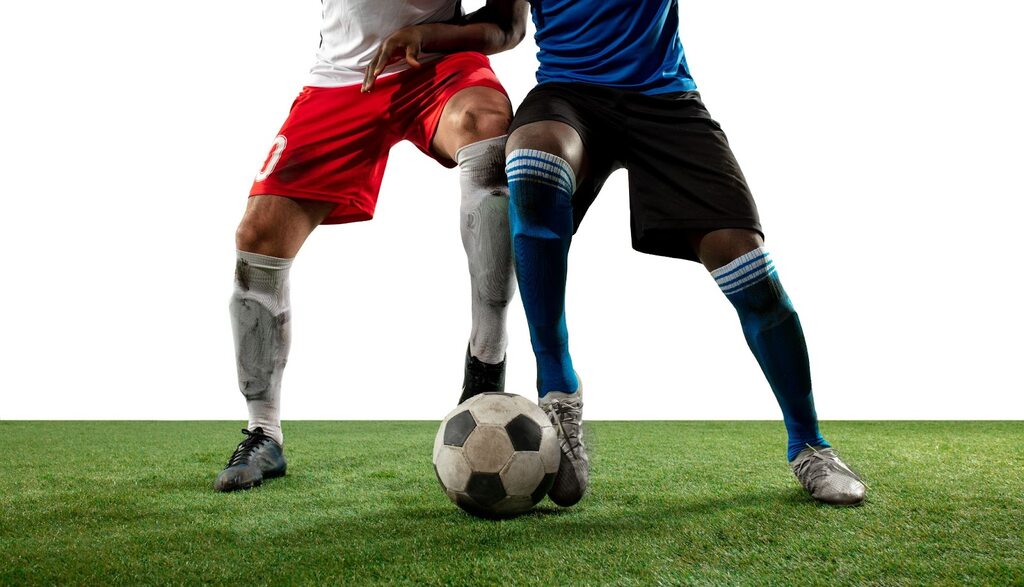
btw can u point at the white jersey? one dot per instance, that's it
(353, 29)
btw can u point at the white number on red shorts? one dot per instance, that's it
(273, 158)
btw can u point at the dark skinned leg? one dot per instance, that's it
(557, 138)
(719, 247)
(542, 224)
(770, 325)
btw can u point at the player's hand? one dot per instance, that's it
(404, 44)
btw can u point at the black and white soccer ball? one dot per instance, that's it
(496, 454)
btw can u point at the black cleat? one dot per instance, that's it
(256, 458)
(481, 377)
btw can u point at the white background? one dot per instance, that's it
(882, 140)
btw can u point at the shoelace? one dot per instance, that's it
(253, 440)
(831, 463)
(566, 416)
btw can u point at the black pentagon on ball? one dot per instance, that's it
(458, 429)
(485, 489)
(524, 433)
(467, 504)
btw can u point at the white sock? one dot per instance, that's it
(485, 235)
(260, 319)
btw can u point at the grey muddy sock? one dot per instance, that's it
(485, 236)
(260, 319)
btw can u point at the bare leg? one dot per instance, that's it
(277, 226)
(472, 115)
(719, 247)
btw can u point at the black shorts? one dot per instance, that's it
(683, 177)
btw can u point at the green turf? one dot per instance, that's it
(670, 502)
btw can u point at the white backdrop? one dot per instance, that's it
(882, 141)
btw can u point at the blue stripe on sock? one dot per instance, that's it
(560, 167)
(769, 266)
(535, 163)
(747, 264)
(744, 286)
(519, 171)
(526, 175)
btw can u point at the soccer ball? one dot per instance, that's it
(496, 455)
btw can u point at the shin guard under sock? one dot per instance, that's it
(540, 216)
(260, 319)
(485, 236)
(772, 329)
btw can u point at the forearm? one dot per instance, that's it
(496, 27)
(483, 37)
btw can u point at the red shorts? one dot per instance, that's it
(335, 143)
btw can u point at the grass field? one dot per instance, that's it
(670, 502)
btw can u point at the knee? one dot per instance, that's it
(535, 136)
(480, 122)
(720, 247)
(254, 236)
(561, 144)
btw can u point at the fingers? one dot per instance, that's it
(411, 53)
(371, 76)
(387, 53)
(380, 61)
(383, 61)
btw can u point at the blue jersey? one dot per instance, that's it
(628, 44)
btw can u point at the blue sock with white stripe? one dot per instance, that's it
(772, 329)
(540, 189)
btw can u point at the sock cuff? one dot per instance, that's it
(472, 150)
(264, 261)
(745, 271)
(540, 167)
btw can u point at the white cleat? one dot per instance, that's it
(566, 413)
(827, 478)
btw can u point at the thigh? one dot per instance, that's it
(683, 176)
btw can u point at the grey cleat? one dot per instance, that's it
(827, 478)
(566, 413)
(256, 458)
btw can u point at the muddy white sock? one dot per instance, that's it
(485, 236)
(260, 319)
